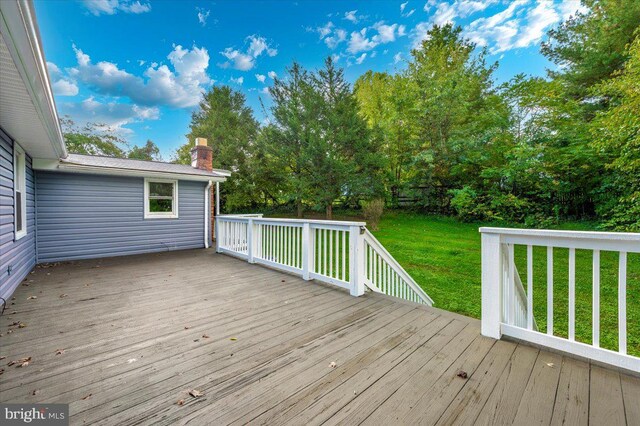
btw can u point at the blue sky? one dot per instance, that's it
(140, 66)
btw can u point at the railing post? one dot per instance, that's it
(307, 250)
(356, 261)
(491, 285)
(250, 240)
(218, 233)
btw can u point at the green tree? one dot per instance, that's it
(92, 139)
(224, 119)
(387, 103)
(148, 152)
(458, 114)
(344, 161)
(617, 138)
(294, 122)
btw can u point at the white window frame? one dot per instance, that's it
(160, 215)
(19, 185)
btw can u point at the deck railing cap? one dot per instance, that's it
(620, 236)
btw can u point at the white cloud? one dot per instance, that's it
(331, 35)
(203, 15)
(359, 42)
(351, 16)
(64, 87)
(397, 58)
(272, 75)
(539, 19)
(61, 86)
(179, 88)
(238, 80)
(339, 35)
(265, 91)
(109, 115)
(111, 7)
(244, 61)
(515, 26)
(141, 62)
(569, 8)
(445, 13)
(386, 33)
(325, 30)
(261, 77)
(402, 6)
(361, 58)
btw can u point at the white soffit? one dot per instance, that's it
(27, 110)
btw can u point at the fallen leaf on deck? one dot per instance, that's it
(24, 364)
(32, 297)
(333, 364)
(233, 338)
(59, 351)
(1, 371)
(2, 357)
(87, 397)
(35, 392)
(462, 374)
(62, 296)
(180, 402)
(205, 336)
(196, 340)
(196, 393)
(283, 281)
(22, 325)
(186, 327)
(550, 364)
(14, 323)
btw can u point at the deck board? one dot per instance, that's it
(139, 332)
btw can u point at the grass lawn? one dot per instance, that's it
(443, 256)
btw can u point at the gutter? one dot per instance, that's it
(206, 214)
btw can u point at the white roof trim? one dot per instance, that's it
(20, 31)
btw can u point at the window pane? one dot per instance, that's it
(160, 206)
(160, 189)
(18, 211)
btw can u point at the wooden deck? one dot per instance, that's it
(123, 340)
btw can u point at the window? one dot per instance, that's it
(160, 199)
(20, 193)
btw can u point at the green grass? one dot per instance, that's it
(443, 256)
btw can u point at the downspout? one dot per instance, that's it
(217, 229)
(206, 214)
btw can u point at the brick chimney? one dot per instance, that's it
(202, 155)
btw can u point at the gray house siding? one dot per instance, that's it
(83, 216)
(17, 258)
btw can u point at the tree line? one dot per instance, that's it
(443, 136)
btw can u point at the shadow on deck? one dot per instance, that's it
(124, 340)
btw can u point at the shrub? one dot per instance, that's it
(372, 211)
(468, 205)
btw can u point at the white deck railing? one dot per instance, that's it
(507, 308)
(341, 253)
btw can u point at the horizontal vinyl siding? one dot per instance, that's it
(19, 255)
(84, 216)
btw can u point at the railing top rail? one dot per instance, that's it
(590, 235)
(300, 221)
